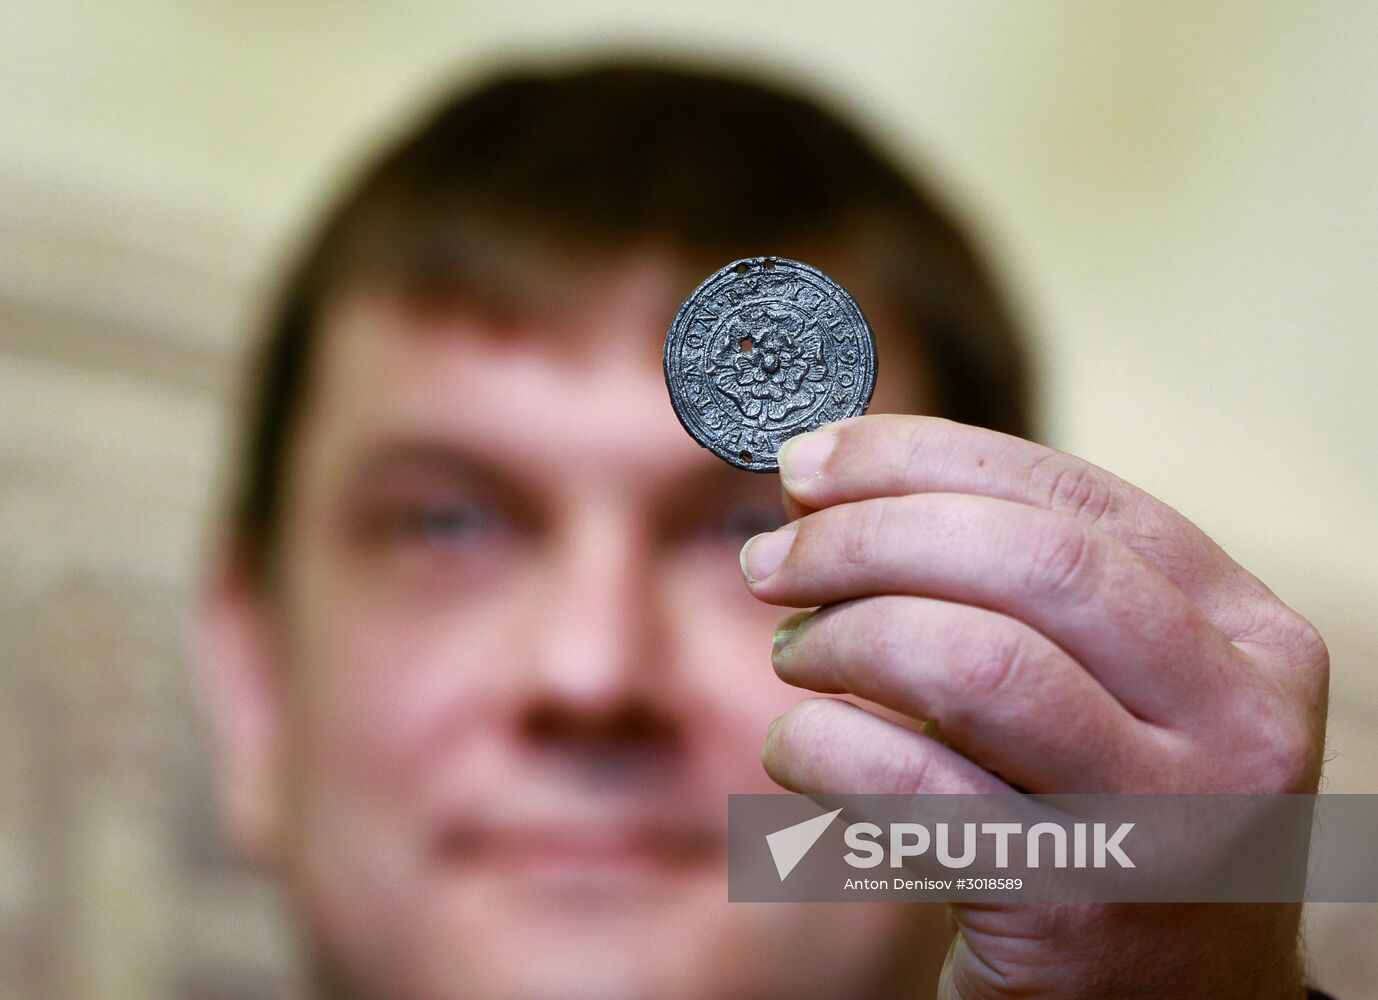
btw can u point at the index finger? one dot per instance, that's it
(886, 455)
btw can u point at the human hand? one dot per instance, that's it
(1070, 634)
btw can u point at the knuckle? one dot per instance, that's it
(1067, 485)
(1289, 761)
(1299, 644)
(827, 645)
(860, 540)
(1308, 644)
(988, 657)
(872, 640)
(913, 448)
(903, 773)
(884, 621)
(1276, 748)
(1061, 559)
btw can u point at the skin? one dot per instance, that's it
(1071, 634)
(484, 719)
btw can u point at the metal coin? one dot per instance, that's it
(765, 349)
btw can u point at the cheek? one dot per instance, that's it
(722, 637)
(391, 681)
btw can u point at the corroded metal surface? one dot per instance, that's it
(767, 348)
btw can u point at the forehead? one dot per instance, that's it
(578, 384)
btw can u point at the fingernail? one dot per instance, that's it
(763, 554)
(802, 456)
(785, 633)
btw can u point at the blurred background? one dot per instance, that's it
(1183, 197)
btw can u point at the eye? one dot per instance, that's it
(449, 522)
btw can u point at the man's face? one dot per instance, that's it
(520, 672)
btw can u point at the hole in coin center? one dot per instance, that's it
(746, 345)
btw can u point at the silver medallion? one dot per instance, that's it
(765, 349)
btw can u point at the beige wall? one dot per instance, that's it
(1185, 196)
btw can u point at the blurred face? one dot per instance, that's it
(517, 672)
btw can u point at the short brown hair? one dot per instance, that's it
(557, 165)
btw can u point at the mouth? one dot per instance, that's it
(566, 851)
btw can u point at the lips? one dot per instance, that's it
(553, 845)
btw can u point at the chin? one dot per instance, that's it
(567, 938)
(554, 931)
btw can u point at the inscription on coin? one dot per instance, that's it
(765, 349)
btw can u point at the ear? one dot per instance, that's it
(239, 680)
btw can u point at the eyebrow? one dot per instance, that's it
(397, 457)
(459, 463)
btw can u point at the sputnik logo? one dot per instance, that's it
(788, 846)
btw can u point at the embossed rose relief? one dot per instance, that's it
(770, 363)
(766, 348)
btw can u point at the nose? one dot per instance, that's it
(598, 689)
